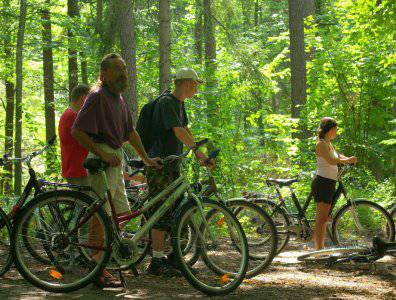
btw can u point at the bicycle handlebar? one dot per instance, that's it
(7, 159)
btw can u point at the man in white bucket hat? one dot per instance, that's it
(171, 125)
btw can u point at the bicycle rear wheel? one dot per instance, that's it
(358, 222)
(67, 269)
(223, 262)
(281, 220)
(6, 258)
(260, 234)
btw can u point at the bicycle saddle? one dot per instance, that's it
(95, 164)
(135, 163)
(281, 182)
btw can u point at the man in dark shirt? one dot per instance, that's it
(171, 124)
(103, 124)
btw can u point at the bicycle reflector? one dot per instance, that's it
(55, 274)
(224, 279)
(221, 221)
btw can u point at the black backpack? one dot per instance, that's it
(145, 122)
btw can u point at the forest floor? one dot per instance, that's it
(286, 278)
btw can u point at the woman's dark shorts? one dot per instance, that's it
(323, 189)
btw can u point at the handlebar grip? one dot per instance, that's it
(201, 143)
(136, 163)
(212, 155)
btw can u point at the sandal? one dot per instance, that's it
(106, 280)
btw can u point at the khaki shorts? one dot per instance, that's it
(115, 180)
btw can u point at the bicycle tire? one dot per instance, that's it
(280, 219)
(35, 204)
(332, 255)
(257, 261)
(182, 216)
(393, 216)
(337, 227)
(7, 256)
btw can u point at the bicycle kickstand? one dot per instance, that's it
(134, 271)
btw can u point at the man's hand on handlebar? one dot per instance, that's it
(155, 162)
(204, 160)
(352, 160)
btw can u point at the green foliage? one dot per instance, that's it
(350, 73)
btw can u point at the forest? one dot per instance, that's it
(272, 70)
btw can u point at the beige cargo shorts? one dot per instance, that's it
(115, 181)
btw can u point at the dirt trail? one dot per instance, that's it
(285, 279)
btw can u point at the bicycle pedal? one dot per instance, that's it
(122, 279)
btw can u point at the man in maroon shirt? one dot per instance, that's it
(73, 154)
(102, 126)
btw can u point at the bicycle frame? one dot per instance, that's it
(171, 194)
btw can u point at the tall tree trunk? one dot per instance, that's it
(128, 51)
(99, 17)
(110, 26)
(297, 58)
(18, 96)
(9, 131)
(198, 31)
(256, 13)
(73, 13)
(84, 67)
(246, 13)
(164, 45)
(10, 94)
(210, 63)
(48, 71)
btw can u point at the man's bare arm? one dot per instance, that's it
(89, 144)
(136, 142)
(184, 136)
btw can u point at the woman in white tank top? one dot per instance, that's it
(323, 186)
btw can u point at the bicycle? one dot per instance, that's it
(257, 224)
(33, 187)
(332, 256)
(224, 249)
(357, 221)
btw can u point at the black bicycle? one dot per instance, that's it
(33, 188)
(357, 222)
(258, 226)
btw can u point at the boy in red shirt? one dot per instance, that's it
(73, 154)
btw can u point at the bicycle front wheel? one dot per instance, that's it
(64, 268)
(223, 247)
(358, 222)
(6, 258)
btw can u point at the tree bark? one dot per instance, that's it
(99, 17)
(128, 51)
(210, 63)
(297, 57)
(48, 72)
(18, 96)
(10, 94)
(84, 67)
(246, 13)
(198, 31)
(256, 13)
(73, 13)
(164, 45)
